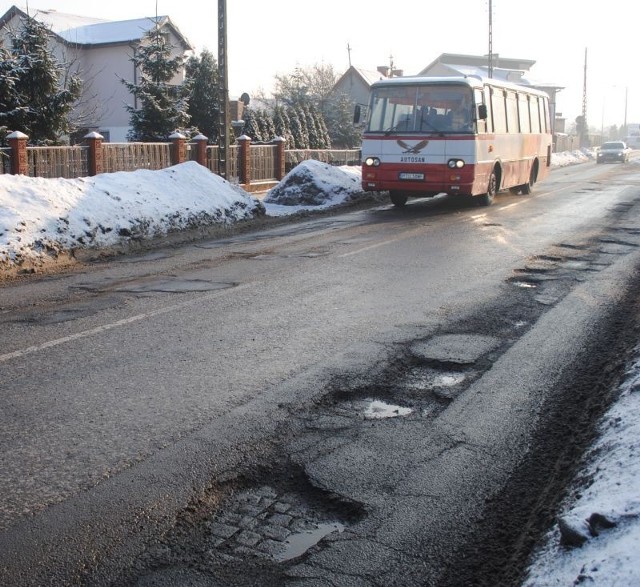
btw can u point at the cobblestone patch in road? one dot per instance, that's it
(259, 522)
(241, 529)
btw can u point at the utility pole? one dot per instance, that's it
(584, 135)
(490, 64)
(626, 99)
(224, 118)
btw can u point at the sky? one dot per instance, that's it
(39, 216)
(265, 39)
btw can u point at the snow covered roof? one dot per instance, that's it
(110, 32)
(84, 30)
(366, 75)
(370, 75)
(60, 21)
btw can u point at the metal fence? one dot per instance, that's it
(51, 162)
(134, 156)
(263, 162)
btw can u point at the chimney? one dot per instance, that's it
(384, 70)
(397, 72)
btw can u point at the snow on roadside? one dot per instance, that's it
(571, 157)
(603, 512)
(40, 217)
(43, 218)
(314, 185)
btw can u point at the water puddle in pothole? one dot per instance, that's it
(297, 544)
(448, 380)
(377, 410)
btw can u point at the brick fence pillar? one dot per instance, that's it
(96, 160)
(201, 149)
(245, 159)
(178, 148)
(18, 142)
(279, 171)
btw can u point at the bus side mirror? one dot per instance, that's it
(482, 112)
(356, 114)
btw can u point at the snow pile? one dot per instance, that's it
(597, 541)
(570, 157)
(40, 218)
(313, 183)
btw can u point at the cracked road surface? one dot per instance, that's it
(375, 397)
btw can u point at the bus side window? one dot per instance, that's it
(499, 110)
(535, 114)
(487, 101)
(523, 113)
(481, 123)
(513, 123)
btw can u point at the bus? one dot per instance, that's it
(463, 136)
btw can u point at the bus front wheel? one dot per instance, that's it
(398, 199)
(487, 198)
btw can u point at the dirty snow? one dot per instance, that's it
(609, 487)
(41, 218)
(310, 183)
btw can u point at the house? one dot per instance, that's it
(356, 83)
(100, 52)
(507, 69)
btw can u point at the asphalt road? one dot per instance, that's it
(201, 414)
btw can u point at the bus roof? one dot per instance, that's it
(472, 81)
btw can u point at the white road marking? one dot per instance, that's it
(117, 324)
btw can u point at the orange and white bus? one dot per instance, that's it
(464, 136)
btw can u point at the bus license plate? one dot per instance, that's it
(411, 176)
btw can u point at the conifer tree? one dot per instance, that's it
(267, 126)
(163, 106)
(339, 119)
(203, 79)
(312, 129)
(37, 93)
(251, 127)
(282, 126)
(299, 128)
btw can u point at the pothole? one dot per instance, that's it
(262, 522)
(460, 349)
(174, 286)
(378, 410)
(243, 528)
(426, 383)
(344, 412)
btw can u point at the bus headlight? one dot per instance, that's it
(455, 163)
(372, 161)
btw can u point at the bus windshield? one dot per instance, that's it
(424, 108)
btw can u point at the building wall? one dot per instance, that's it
(354, 87)
(101, 68)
